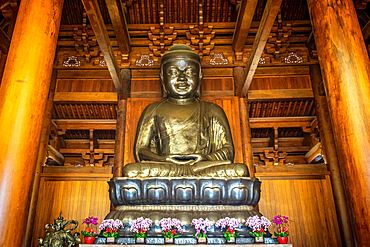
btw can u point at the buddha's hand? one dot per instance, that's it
(188, 159)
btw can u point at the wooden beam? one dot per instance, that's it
(4, 41)
(86, 150)
(86, 124)
(366, 32)
(281, 122)
(302, 169)
(119, 25)
(98, 26)
(303, 149)
(280, 94)
(268, 18)
(83, 74)
(243, 24)
(78, 97)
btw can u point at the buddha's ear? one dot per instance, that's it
(164, 90)
(199, 84)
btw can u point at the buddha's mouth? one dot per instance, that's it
(182, 86)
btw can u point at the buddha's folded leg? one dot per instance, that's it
(225, 170)
(156, 169)
(149, 169)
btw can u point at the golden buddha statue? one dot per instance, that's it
(183, 136)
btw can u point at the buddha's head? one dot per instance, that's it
(181, 72)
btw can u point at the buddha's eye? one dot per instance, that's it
(189, 71)
(172, 71)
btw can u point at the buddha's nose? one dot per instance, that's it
(181, 76)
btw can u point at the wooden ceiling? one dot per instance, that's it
(181, 11)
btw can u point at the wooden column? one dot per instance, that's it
(345, 69)
(244, 123)
(327, 138)
(121, 123)
(120, 137)
(23, 94)
(246, 136)
(44, 140)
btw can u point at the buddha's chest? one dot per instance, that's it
(179, 129)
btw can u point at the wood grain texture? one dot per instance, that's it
(309, 204)
(41, 158)
(119, 148)
(119, 23)
(243, 24)
(267, 21)
(274, 94)
(84, 85)
(23, 94)
(246, 137)
(75, 199)
(327, 137)
(345, 68)
(281, 82)
(98, 26)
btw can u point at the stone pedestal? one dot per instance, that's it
(185, 199)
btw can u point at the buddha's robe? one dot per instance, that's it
(167, 129)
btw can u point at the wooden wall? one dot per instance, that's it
(309, 203)
(76, 195)
(281, 82)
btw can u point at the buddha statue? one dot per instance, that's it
(184, 157)
(183, 136)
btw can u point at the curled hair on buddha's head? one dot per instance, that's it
(179, 51)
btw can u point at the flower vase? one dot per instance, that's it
(140, 240)
(282, 240)
(202, 240)
(258, 240)
(111, 240)
(232, 240)
(168, 240)
(89, 240)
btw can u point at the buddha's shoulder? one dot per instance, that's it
(149, 109)
(211, 106)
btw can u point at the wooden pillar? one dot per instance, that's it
(244, 123)
(44, 141)
(120, 137)
(23, 94)
(246, 136)
(327, 138)
(345, 69)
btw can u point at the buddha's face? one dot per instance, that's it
(181, 77)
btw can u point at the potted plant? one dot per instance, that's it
(110, 228)
(231, 224)
(89, 233)
(169, 227)
(139, 227)
(259, 227)
(282, 233)
(201, 227)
